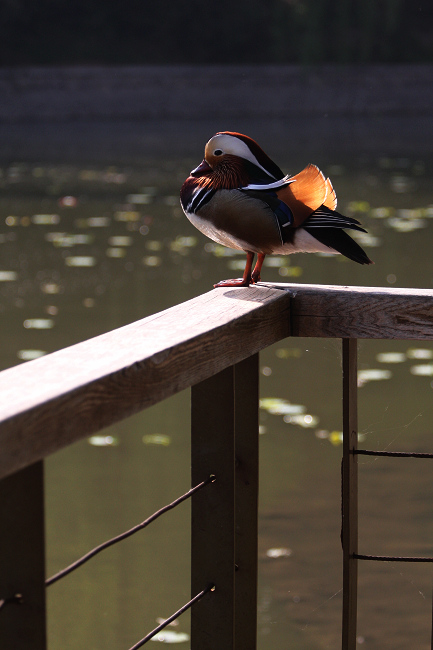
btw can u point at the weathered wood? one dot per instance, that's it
(361, 312)
(349, 532)
(213, 511)
(22, 560)
(55, 400)
(224, 527)
(246, 501)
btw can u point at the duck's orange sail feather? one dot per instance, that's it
(308, 192)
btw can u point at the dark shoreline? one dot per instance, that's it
(203, 92)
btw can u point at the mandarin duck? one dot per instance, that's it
(240, 198)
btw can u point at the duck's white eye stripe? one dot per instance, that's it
(235, 147)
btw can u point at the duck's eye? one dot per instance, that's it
(217, 152)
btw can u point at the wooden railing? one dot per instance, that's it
(210, 343)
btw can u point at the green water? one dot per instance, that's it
(92, 237)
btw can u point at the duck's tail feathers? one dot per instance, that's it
(340, 241)
(326, 217)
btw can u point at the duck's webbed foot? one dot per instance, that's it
(245, 280)
(239, 282)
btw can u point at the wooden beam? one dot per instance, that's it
(361, 312)
(55, 400)
(213, 511)
(349, 532)
(22, 560)
(246, 501)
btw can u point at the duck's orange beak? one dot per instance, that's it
(202, 169)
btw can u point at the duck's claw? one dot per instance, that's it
(239, 282)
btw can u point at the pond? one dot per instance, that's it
(92, 237)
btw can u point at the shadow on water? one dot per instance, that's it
(92, 237)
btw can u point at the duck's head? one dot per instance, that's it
(239, 159)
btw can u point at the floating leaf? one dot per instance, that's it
(103, 441)
(382, 213)
(406, 225)
(358, 206)
(391, 357)
(275, 553)
(127, 215)
(80, 260)
(275, 261)
(181, 243)
(425, 370)
(68, 202)
(45, 219)
(139, 199)
(170, 636)
(152, 260)
(153, 245)
(98, 222)
(50, 287)
(157, 439)
(287, 353)
(290, 271)
(8, 276)
(372, 374)
(236, 265)
(336, 438)
(28, 355)
(278, 406)
(419, 353)
(305, 421)
(38, 323)
(115, 252)
(120, 240)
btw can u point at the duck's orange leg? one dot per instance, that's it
(255, 276)
(245, 280)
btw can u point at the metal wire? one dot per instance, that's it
(128, 533)
(173, 617)
(394, 454)
(390, 558)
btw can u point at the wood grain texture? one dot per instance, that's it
(360, 312)
(55, 400)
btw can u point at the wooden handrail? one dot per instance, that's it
(55, 400)
(360, 312)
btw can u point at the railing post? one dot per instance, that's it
(224, 440)
(213, 512)
(22, 560)
(350, 495)
(246, 501)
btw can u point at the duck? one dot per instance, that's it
(239, 198)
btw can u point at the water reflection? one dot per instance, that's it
(86, 247)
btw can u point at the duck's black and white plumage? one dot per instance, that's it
(240, 198)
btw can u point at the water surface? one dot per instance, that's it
(92, 237)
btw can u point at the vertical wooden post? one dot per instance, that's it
(213, 512)
(224, 441)
(22, 559)
(350, 494)
(246, 500)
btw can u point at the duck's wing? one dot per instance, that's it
(308, 191)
